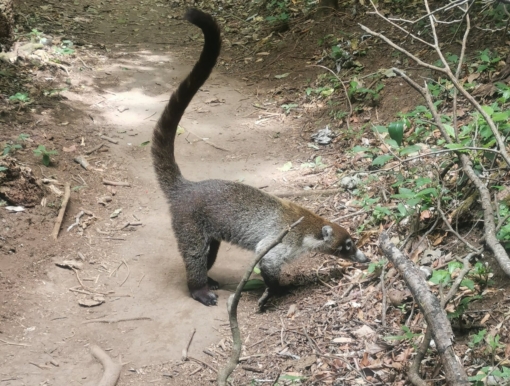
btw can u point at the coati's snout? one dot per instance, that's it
(341, 244)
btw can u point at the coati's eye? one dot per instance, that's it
(348, 244)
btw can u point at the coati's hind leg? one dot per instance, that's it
(195, 253)
(211, 258)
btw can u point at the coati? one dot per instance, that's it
(204, 213)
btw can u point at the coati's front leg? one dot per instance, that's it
(211, 258)
(270, 268)
(199, 256)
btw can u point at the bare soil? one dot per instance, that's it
(130, 56)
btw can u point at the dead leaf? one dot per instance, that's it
(425, 215)
(485, 318)
(292, 311)
(69, 149)
(94, 301)
(364, 332)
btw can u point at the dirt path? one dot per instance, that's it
(150, 279)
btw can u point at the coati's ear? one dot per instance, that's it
(327, 233)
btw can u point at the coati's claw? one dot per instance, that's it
(264, 298)
(213, 284)
(205, 296)
(271, 292)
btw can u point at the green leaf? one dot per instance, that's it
(468, 283)
(392, 143)
(145, 143)
(449, 130)
(440, 276)
(426, 192)
(46, 160)
(454, 146)
(402, 209)
(489, 110)
(254, 284)
(500, 116)
(180, 130)
(286, 167)
(453, 265)
(359, 149)
(396, 131)
(382, 159)
(256, 270)
(3, 169)
(410, 149)
(404, 193)
(282, 76)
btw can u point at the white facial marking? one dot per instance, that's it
(348, 244)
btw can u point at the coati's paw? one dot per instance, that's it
(213, 284)
(204, 296)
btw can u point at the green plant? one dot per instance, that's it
(11, 147)
(476, 339)
(500, 374)
(407, 335)
(316, 164)
(41, 151)
(487, 61)
(481, 274)
(288, 107)
(20, 97)
(376, 265)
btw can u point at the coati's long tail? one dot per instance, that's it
(167, 170)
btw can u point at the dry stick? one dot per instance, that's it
(127, 266)
(109, 321)
(111, 369)
(383, 287)
(110, 139)
(94, 148)
(306, 193)
(14, 344)
(207, 141)
(202, 363)
(232, 303)
(60, 217)
(82, 161)
(488, 212)
(185, 350)
(432, 310)
(413, 374)
(116, 183)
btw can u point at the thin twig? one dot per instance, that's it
(184, 356)
(232, 303)
(127, 266)
(60, 217)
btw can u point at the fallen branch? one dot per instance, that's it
(110, 321)
(431, 308)
(111, 369)
(116, 183)
(60, 217)
(232, 303)
(413, 373)
(94, 149)
(110, 139)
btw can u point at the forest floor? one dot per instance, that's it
(115, 278)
